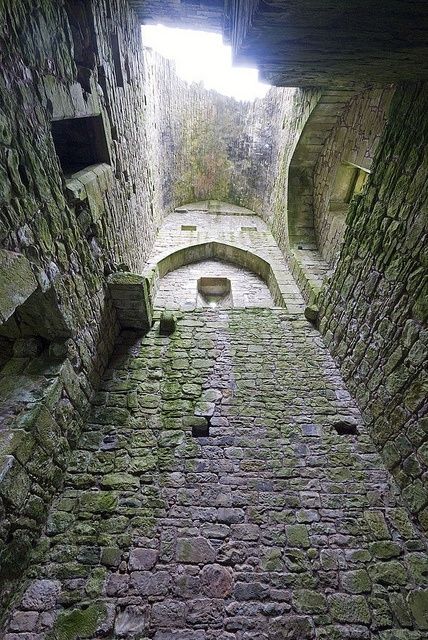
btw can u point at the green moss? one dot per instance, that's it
(79, 623)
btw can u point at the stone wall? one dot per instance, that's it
(179, 288)
(295, 114)
(62, 232)
(374, 309)
(241, 237)
(220, 148)
(278, 524)
(92, 90)
(353, 141)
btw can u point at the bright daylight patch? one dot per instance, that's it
(202, 57)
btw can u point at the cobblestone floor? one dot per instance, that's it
(275, 526)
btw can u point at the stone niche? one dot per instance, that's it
(80, 143)
(214, 292)
(349, 181)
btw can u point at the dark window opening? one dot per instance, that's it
(117, 61)
(188, 227)
(349, 181)
(201, 430)
(80, 142)
(248, 228)
(345, 428)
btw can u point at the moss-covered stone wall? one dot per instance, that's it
(61, 233)
(350, 146)
(274, 525)
(374, 309)
(219, 148)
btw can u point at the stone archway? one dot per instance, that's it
(225, 252)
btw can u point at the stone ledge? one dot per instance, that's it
(17, 282)
(130, 295)
(89, 184)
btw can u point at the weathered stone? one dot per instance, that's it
(142, 559)
(194, 551)
(98, 501)
(41, 595)
(130, 621)
(346, 608)
(14, 481)
(418, 603)
(292, 628)
(389, 573)
(130, 294)
(80, 623)
(17, 282)
(357, 581)
(306, 601)
(167, 323)
(216, 581)
(297, 535)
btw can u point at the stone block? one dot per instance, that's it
(130, 295)
(418, 604)
(41, 595)
(194, 551)
(142, 559)
(167, 323)
(352, 609)
(14, 481)
(216, 581)
(17, 282)
(130, 622)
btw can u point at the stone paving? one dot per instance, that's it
(280, 524)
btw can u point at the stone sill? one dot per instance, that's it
(96, 176)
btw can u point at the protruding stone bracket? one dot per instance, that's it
(130, 295)
(89, 185)
(167, 323)
(24, 303)
(312, 314)
(17, 282)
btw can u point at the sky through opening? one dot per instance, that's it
(203, 57)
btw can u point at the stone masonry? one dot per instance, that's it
(234, 226)
(277, 525)
(374, 308)
(180, 466)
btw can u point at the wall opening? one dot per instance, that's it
(214, 292)
(117, 61)
(201, 429)
(345, 428)
(80, 142)
(188, 227)
(349, 181)
(202, 56)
